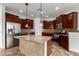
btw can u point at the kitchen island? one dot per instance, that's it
(31, 45)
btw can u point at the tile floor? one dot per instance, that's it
(60, 51)
(56, 51)
(10, 52)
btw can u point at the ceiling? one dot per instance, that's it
(48, 8)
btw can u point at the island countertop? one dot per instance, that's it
(36, 39)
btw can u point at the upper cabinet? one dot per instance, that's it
(59, 18)
(66, 21)
(54, 24)
(72, 20)
(27, 21)
(60, 22)
(14, 18)
(10, 16)
(47, 24)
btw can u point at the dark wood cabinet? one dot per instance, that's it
(59, 18)
(47, 24)
(27, 21)
(68, 21)
(65, 22)
(54, 24)
(11, 18)
(63, 41)
(72, 20)
(15, 42)
(14, 18)
(23, 23)
(30, 23)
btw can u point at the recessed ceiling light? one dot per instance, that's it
(32, 15)
(21, 11)
(57, 8)
(47, 16)
(42, 12)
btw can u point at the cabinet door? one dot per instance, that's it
(54, 24)
(30, 23)
(50, 25)
(59, 18)
(44, 24)
(63, 41)
(72, 20)
(47, 24)
(65, 22)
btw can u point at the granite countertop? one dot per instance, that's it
(36, 39)
(63, 34)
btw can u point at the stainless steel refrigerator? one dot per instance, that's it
(9, 35)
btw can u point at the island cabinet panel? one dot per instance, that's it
(63, 41)
(49, 47)
(72, 20)
(47, 24)
(35, 45)
(29, 48)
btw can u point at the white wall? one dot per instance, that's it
(74, 41)
(2, 26)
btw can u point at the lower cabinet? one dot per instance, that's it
(63, 41)
(15, 42)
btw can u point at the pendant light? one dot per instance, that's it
(26, 14)
(41, 13)
(27, 26)
(26, 10)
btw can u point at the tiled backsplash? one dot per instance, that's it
(59, 30)
(24, 31)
